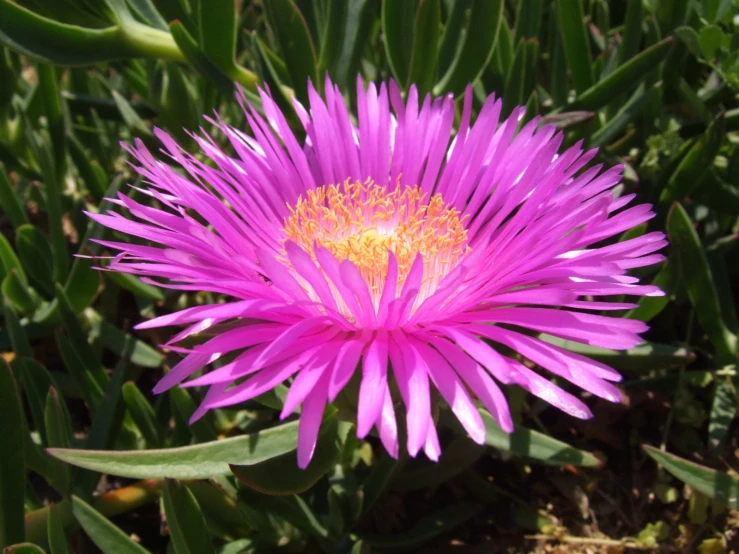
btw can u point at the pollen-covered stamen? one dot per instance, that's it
(361, 222)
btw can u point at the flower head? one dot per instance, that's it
(393, 247)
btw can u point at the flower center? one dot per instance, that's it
(361, 222)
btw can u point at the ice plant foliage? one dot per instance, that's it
(393, 247)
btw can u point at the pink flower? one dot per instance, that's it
(392, 247)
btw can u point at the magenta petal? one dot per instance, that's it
(418, 402)
(453, 392)
(387, 424)
(310, 422)
(373, 380)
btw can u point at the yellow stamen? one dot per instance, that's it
(361, 222)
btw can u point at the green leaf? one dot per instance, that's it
(55, 531)
(198, 461)
(18, 338)
(376, 483)
(513, 92)
(715, 193)
(696, 162)
(710, 39)
(427, 528)
(332, 36)
(42, 151)
(217, 32)
(358, 26)
(624, 78)
(454, 27)
(142, 413)
(723, 410)
(644, 357)
(631, 36)
(12, 461)
(130, 117)
(714, 484)
(689, 37)
(8, 259)
(9, 202)
(668, 279)
(628, 113)
(58, 43)
(281, 476)
(136, 285)
(475, 47)
(23, 548)
(185, 520)
(267, 68)
(425, 46)
(90, 171)
(88, 385)
(576, 46)
(54, 113)
(397, 19)
(19, 294)
(183, 406)
(199, 60)
(699, 282)
(296, 46)
(78, 340)
(528, 19)
(534, 445)
(106, 423)
(292, 509)
(59, 434)
(106, 536)
(35, 254)
(566, 120)
(125, 345)
(35, 381)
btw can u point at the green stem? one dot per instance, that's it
(150, 42)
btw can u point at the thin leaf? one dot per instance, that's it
(12, 461)
(59, 433)
(646, 356)
(425, 46)
(58, 43)
(576, 46)
(18, 293)
(142, 413)
(699, 282)
(185, 520)
(295, 42)
(199, 60)
(55, 532)
(534, 445)
(35, 253)
(639, 100)
(714, 484)
(106, 536)
(625, 78)
(217, 32)
(199, 461)
(476, 47)
(723, 410)
(397, 19)
(9, 202)
(697, 161)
